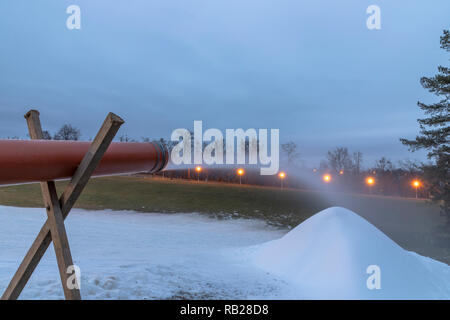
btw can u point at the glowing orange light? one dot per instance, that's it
(198, 168)
(341, 172)
(416, 184)
(240, 172)
(282, 175)
(327, 178)
(370, 181)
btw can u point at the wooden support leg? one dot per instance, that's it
(60, 209)
(55, 218)
(59, 238)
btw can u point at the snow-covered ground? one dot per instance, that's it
(128, 255)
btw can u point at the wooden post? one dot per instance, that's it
(58, 209)
(55, 218)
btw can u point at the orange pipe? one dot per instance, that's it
(25, 161)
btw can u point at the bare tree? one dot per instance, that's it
(357, 161)
(384, 165)
(411, 166)
(290, 149)
(126, 138)
(323, 166)
(46, 135)
(67, 132)
(339, 159)
(166, 143)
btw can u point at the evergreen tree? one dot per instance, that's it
(434, 134)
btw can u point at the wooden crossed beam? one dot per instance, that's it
(53, 229)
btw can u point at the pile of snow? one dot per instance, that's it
(328, 256)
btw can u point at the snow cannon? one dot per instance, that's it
(45, 161)
(27, 161)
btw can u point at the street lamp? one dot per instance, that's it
(370, 182)
(327, 179)
(416, 184)
(282, 175)
(198, 169)
(240, 172)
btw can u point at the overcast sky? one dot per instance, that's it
(310, 68)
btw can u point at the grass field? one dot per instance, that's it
(413, 224)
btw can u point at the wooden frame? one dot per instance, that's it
(58, 209)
